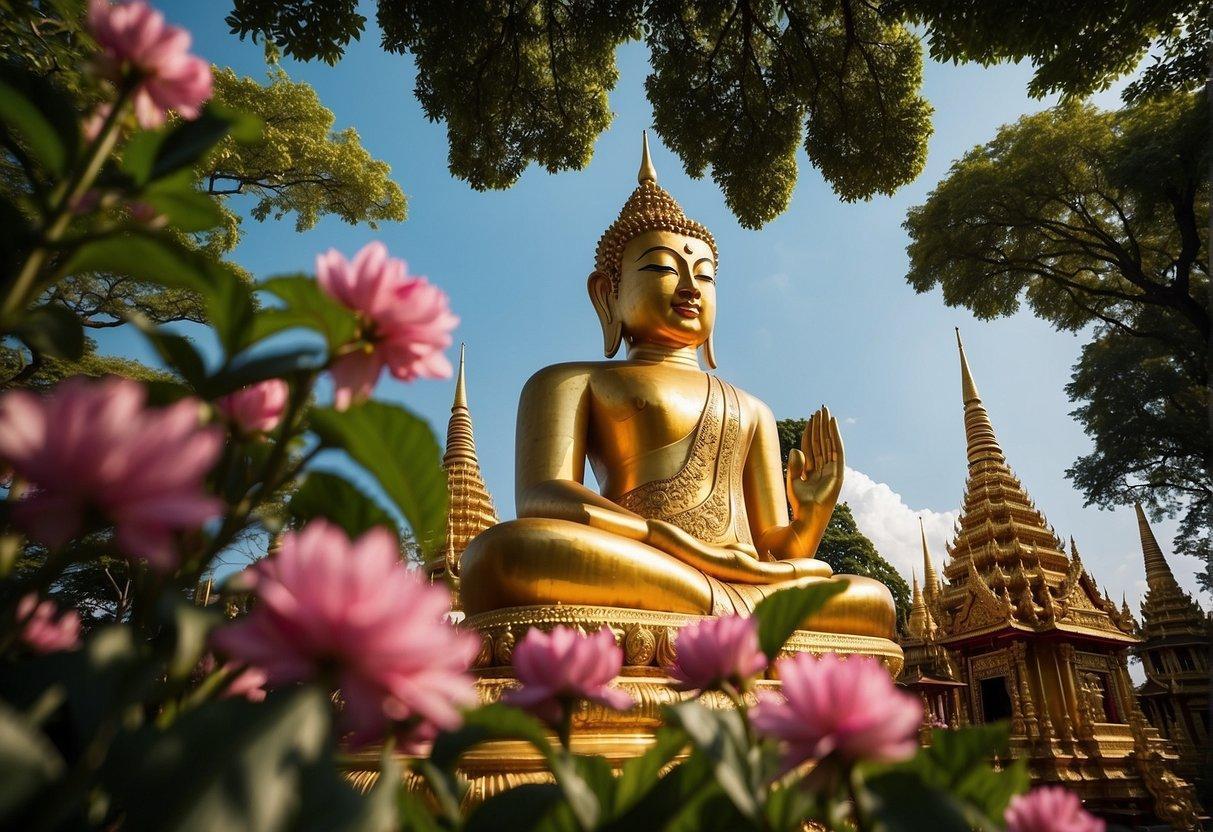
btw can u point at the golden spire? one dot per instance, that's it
(470, 510)
(929, 577)
(1159, 576)
(648, 173)
(979, 432)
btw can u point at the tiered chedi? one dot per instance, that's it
(1037, 643)
(1176, 636)
(470, 510)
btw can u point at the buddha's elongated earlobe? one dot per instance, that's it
(709, 353)
(600, 289)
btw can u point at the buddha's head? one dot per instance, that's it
(654, 280)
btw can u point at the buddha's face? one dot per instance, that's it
(667, 290)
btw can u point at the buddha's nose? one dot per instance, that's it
(687, 289)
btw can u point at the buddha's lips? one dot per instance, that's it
(687, 310)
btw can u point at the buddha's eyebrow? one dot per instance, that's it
(704, 260)
(658, 248)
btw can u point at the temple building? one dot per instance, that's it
(1174, 651)
(1025, 628)
(470, 509)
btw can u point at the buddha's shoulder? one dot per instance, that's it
(568, 373)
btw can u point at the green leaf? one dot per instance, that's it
(24, 104)
(139, 153)
(246, 371)
(189, 626)
(244, 127)
(331, 496)
(234, 764)
(401, 452)
(188, 142)
(185, 208)
(720, 735)
(898, 801)
(110, 669)
(305, 305)
(640, 774)
(29, 762)
(53, 331)
(495, 721)
(159, 259)
(782, 613)
(177, 351)
(413, 814)
(959, 763)
(531, 807)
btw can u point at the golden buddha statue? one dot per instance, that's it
(692, 517)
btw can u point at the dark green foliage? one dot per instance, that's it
(1098, 218)
(1078, 48)
(305, 29)
(1148, 413)
(843, 546)
(735, 87)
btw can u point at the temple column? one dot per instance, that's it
(1019, 655)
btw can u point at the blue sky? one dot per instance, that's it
(814, 307)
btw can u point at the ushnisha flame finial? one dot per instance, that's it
(647, 173)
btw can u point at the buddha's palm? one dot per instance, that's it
(815, 469)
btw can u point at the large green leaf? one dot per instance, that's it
(159, 259)
(898, 801)
(499, 722)
(720, 735)
(305, 305)
(52, 331)
(331, 496)
(400, 450)
(28, 760)
(234, 764)
(780, 614)
(186, 208)
(187, 142)
(640, 774)
(188, 625)
(177, 351)
(40, 117)
(247, 370)
(531, 807)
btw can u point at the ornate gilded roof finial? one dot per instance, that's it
(930, 578)
(1159, 576)
(461, 391)
(648, 173)
(983, 445)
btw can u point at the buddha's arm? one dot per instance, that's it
(766, 499)
(550, 445)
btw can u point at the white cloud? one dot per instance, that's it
(892, 526)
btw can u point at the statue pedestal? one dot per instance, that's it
(647, 639)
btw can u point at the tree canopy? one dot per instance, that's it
(843, 546)
(1098, 218)
(736, 87)
(302, 167)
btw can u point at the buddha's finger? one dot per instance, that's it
(835, 441)
(806, 444)
(819, 438)
(795, 464)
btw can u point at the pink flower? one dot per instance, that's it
(562, 666)
(134, 37)
(846, 707)
(257, 408)
(248, 684)
(326, 605)
(1050, 809)
(715, 650)
(92, 449)
(44, 629)
(406, 321)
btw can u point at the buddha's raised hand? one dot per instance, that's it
(815, 470)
